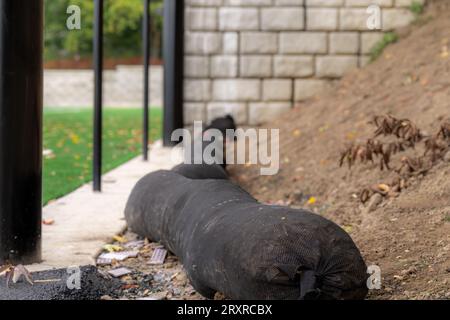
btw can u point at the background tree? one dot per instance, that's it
(122, 29)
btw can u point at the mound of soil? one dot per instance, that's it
(408, 236)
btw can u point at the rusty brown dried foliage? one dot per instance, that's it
(401, 128)
(406, 136)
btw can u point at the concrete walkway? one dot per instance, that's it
(85, 221)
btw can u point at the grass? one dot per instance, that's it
(388, 38)
(447, 217)
(417, 8)
(68, 134)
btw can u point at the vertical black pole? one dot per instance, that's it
(98, 93)
(146, 46)
(21, 47)
(173, 67)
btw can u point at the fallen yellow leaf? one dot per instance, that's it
(74, 138)
(384, 187)
(297, 133)
(348, 229)
(312, 200)
(120, 239)
(112, 248)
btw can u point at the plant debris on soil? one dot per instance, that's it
(148, 276)
(406, 234)
(404, 136)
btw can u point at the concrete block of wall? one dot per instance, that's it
(366, 3)
(236, 90)
(277, 90)
(369, 40)
(335, 66)
(220, 109)
(204, 3)
(325, 3)
(224, 66)
(262, 112)
(293, 66)
(307, 88)
(282, 18)
(303, 42)
(289, 2)
(396, 18)
(344, 42)
(322, 18)
(196, 66)
(255, 66)
(353, 19)
(255, 3)
(194, 112)
(230, 42)
(197, 90)
(238, 19)
(203, 43)
(201, 19)
(259, 42)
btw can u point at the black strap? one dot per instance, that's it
(308, 286)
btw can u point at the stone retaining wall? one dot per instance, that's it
(123, 87)
(256, 58)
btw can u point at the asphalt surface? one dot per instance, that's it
(52, 285)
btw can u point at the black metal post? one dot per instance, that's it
(98, 94)
(173, 68)
(21, 47)
(146, 49)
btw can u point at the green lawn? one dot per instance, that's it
(68, 134)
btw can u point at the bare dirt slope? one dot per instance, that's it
(407, 236)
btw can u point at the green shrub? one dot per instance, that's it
(417, 8)
(377, 50)
(122, 28)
